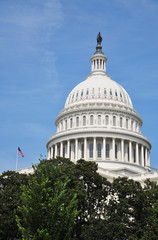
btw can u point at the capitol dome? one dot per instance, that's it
(98, 123)
(99, 88)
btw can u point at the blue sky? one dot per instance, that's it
(45, 47)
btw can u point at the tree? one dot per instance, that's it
(49, 205)
(10, 193)
(61, 198)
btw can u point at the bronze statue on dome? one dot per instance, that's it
(99, 38)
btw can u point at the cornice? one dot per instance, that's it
(100, 131)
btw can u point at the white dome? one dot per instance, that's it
(98, 88)
(99, 124)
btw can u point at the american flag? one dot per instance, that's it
(20, 152)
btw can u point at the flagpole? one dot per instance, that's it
(17, 159)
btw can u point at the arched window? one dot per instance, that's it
(99, 119)
(127, 123)
(91, 120)
(61, 126)
(107, 150)
(120, 121)
(70, 122)
(114, 120)
(91, 150)
(82, 150)
(99, 150)
(136, 126)
(84, 120)
(116, 151)
(65, 124)
(132, 125)
(106, 119)
(77, 121)
(97, 64)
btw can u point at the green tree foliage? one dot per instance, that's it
(61, 197)
(64, 201)
(49, 204)
(10, 193)
(131, 212)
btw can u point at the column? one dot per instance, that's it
(76, 149)
(71, 149)
(68, 149)
(56, 150)
(48, 153)
(104, 148)
(61, 149)
(146, 157)
(137, 154)
(85, 148)
(142, 155)
(52, 151)
(130, 152)
(94, 148)
(113, 148)
(122, 150)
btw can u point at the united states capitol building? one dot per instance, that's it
(99, 123)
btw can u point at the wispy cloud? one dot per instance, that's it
(30, 21)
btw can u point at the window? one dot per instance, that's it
(116, 94)
(82, 150)
(76, 94)
(100, 62)
(77, 121)
(87, 92)
(91, 120)
(99, 150)
(82, 93)
(84, 120)
(132, 125)
(72, 96)
(134, 155)
(107, 150)
(110, 92)
(97, 64)
(70, 122)
(106, 119)
(120, 121)
(91, 150)
(64, 151)
(120, 95)
(65, 124)
(94, 64)
(115, 151)
(61, 126)
(99, 119)
(127, 123)
(114, 120)
(104, 91)
(136, 126)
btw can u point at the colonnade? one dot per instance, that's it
(101, 148)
